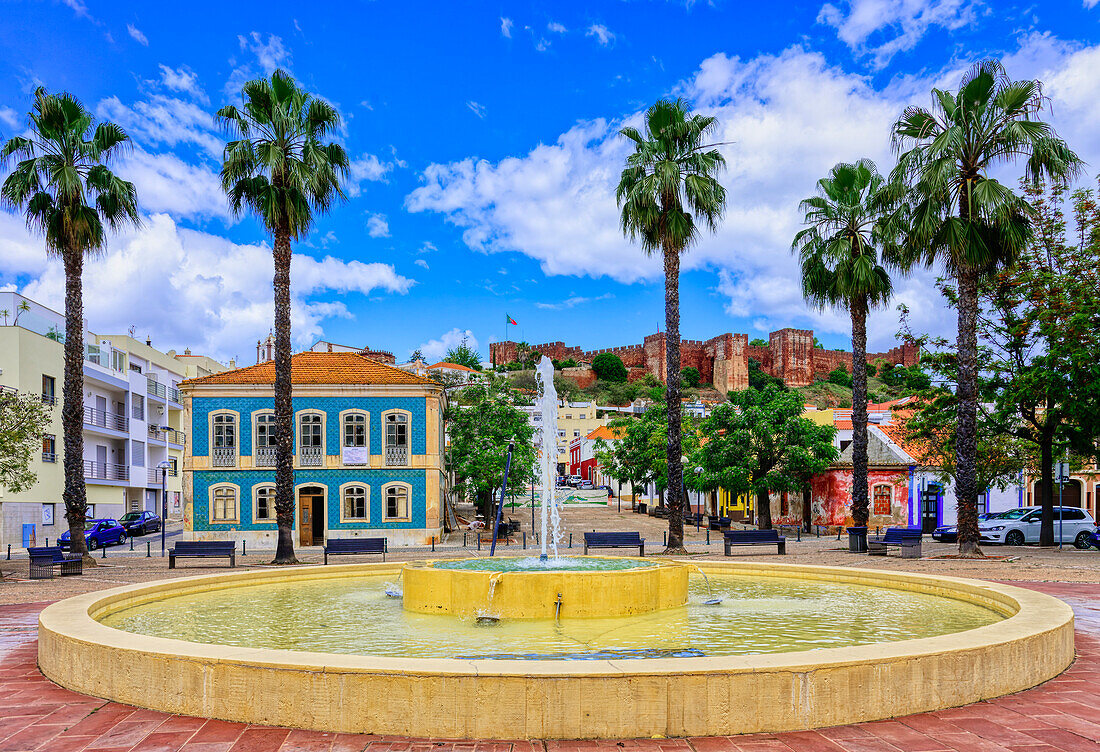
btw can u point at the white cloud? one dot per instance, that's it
(164, 121)
(9, 117)
(602, 34)
(428, 247)
(377, 226)
(166, 183)
(78, 7)
(435, 349)
(364, 169)
(270, 55)
(192, 289)
(506, 27)
(556, 27)
(136, 34)
(477, 109)
(572, 302)
(182, 79)
(422, 263)
(884, 28)
(542, 45)
(1090, 4)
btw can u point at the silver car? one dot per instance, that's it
(1019, 526)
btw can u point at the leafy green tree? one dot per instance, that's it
(872, 369)
(23, 420)
(62, 183)
(464, 355)
(416, 355)
(278, 166)
(609, 367)
(691, 376)
(757, 342)
(479, 433)
(845, 250)
(759, 443)
(758, 379)
(969, 221)
(667, 187)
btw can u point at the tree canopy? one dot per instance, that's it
(464, 355)
(23, 420)
(609, 367)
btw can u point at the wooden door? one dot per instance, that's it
(305, 521)
(929, 509)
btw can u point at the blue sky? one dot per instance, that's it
(484, 147)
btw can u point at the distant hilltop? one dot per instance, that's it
(723, 360)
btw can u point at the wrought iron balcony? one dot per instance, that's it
(224, 456)
(265, 456)
(49, 456)
(105, 471)
(103, 419)
(312, 456)
(398, 456)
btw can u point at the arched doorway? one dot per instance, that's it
(311, 515)
(1071, 493)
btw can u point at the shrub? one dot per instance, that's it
(609, 367)
(840, 377)
(690, 376)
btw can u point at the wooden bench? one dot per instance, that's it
(907, 539)
(202, 550)
(45, 559)
(719, 523)
(754, 538)
(350, 546)
(614, 540)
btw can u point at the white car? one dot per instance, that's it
(1019, 526)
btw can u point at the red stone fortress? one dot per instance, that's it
(723, 360)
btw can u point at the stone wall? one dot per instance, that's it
(722, 360)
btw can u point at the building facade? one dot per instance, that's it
(133, 422)
(368, 453)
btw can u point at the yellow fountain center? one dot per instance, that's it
(544, 593)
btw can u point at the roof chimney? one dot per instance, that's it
(148, 341)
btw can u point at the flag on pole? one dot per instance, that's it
(510, 320)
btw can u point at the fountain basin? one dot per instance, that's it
(626, 587)
(510, 699)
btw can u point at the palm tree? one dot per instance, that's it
(852, 226)
(667, 186)
(62, 184)
(278, 167)
(971, 222)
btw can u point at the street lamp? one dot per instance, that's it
(164, 465)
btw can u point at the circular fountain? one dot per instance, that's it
(588, 587)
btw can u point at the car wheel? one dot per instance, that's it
(93, 544)
(1014, 538)
(1083, 540)
(122, 539)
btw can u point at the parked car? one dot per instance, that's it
(950, 533)
(140, 523)
(1020, 526)
(98, 533)
(585, 485)
(574, 480)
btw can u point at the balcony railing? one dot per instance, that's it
(173, 394)
(156, 389)
(49, 456)
(265, 456)
(153, 475)
(105, 471)
(171, 435)
(102, 419)
(49, 399)
(224, 456)
(312, 456)
(397, 456)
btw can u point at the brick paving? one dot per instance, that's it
(1060, 715)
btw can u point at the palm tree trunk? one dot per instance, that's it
(672, 396)
(75, 494)
(966, 436)
(284, 410)
(860, 510)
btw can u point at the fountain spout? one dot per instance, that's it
(548, 412)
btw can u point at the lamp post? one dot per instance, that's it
(164, 465)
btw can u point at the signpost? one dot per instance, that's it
(1061, 475)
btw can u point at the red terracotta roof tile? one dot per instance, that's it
(316, 368)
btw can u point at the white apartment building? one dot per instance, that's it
(133, 421)
(575, 419)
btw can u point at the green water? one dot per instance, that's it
(534, 564)
(354, 615)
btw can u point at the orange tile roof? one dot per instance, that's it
(843, 425)
(453, 366)
(897, 433)
(316, 368)
(607, 433)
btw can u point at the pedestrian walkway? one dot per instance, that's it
(1060, 715)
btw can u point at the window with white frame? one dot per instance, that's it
(223, 504)
(265, 440)
(397, 439)
(310, 439)
(397, 502)
(265, 503)
(355, 449)
(224, 437)
(355, 503)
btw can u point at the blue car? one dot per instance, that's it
(1094, 541)
(98, 533)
